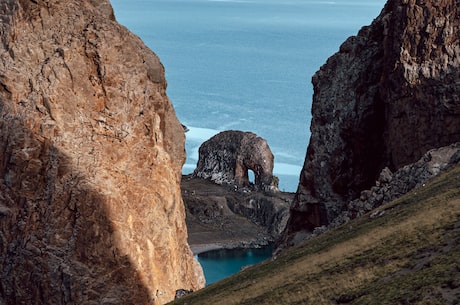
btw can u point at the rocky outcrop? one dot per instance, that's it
(392, 185)
(228, 156)
(389, 95)
(227, 217)
(90, 165)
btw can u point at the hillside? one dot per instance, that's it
(405, 252)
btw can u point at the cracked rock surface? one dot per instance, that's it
(90, 166)
(389, 95)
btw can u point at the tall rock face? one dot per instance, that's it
(90, 166)
(390, 94)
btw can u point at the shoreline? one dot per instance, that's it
(202, 248)
(243, 244)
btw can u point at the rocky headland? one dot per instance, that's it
(90, 202)
(221, 216)
(388, 96)
(224, 208)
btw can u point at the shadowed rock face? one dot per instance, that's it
(389, 95)
(227, 157)
(90, 165)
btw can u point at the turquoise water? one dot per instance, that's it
(219, 264)
(246, 65)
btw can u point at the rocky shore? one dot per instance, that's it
(224, 216)
(224, 209)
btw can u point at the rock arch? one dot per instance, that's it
(228, 156)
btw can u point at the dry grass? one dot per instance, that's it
(410, 255)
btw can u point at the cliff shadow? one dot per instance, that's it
(57, 244)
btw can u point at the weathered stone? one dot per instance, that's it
(219, 214)
(180, 293)
(403, 180)
(90, 204)
(389, 95)
(227, 157)
(408, 178)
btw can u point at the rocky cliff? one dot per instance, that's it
(90, 166)
(392, 185)
(390, 94)
(222, 216)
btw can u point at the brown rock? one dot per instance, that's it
(389, 95)
(227, 157)
(221, 215)
(90, 204)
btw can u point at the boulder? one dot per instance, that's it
(228, 156)
(90, 203)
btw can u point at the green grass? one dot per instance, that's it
(410, 255)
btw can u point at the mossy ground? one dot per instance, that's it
(408, 255)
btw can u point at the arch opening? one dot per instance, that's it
(251, 177)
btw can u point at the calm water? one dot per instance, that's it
(219, 264)
(246, 65)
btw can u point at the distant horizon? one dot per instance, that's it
(246, 65)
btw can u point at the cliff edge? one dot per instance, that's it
(90, 202)
(389, 95)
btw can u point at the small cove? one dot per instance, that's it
(222, 263)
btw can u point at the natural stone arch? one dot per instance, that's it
(228, 156)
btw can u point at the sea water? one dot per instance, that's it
(246, 64)
(219, 264)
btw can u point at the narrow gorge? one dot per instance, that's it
(91, 205)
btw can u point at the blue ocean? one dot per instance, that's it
(246, 64)
(219, 264)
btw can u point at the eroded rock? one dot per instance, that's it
(390, 186)
(219, 214)
(90, 203)
(389, 95)
(228, 156)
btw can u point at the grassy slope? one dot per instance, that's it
(408, 255)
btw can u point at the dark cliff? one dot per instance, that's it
(90, 166)
(390, 94)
